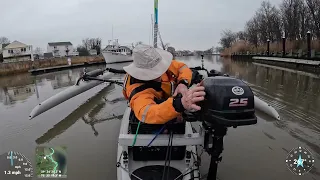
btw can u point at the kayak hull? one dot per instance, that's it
(184, 166)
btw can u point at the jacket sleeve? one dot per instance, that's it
(183, 71)
(147, 111)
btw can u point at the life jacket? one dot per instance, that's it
(166, 86)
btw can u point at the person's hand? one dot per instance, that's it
(192, 96)
(181, 88)
(179, 119)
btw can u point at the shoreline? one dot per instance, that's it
(20, 67)
(311, 66)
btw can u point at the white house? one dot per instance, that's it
(17, 51)
(93, 52)
(60, 49)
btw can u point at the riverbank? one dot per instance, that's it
(25, 66)
(312, 66)
(298, 64)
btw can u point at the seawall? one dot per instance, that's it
(25, 66)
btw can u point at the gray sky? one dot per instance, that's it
(185, 24)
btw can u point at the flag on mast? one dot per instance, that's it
(155, 43)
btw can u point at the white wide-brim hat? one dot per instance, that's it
(149, 63)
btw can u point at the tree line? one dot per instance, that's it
(292, 19)
(89, 44)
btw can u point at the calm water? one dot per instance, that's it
(89, 124)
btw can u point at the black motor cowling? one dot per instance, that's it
(228, 102)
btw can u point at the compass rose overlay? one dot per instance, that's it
(300, 161)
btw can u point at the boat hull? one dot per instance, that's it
(183, 166)
(113, 57)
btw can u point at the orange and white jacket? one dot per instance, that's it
(152, 101)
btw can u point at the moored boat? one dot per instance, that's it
(115, 53)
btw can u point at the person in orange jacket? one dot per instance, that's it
(152, 82)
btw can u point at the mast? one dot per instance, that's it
(112, 32)
(151, 29)
(155, 23)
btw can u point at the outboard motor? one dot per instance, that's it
(228, 102)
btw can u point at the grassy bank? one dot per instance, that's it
(24, 66)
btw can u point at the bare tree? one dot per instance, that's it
(86, 43)
(268, 17)
(252, 31)
(92, 43)
(242, 35)
(38, 51)
(293, 18)
(228, 37)
(4, 40)
(314, 10)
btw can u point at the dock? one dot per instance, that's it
(59, 68)
(299, 64)
(289, 60)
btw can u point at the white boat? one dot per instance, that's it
(131, 166)
(115, 53)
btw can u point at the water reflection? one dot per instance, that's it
(79, 113)
(20, 87)
(16, 88)
(64, 80)
(295, 95)
(301, 90)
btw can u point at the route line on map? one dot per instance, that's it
(50, 157)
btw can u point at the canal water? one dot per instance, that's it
(88, 125)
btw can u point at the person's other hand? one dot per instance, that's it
(181, 88)
(192, 96)
(179, 119)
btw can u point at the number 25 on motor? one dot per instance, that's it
(238, 102)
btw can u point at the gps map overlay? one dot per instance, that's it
(51, 162)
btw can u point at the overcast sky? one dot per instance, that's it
(185, 24)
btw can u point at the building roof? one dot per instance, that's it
(15, 44)
(59, 43)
